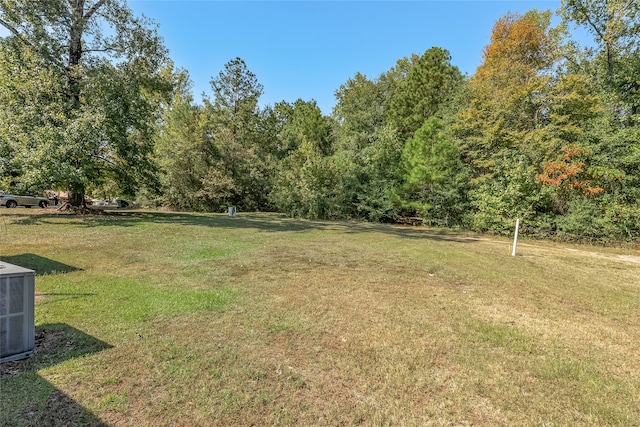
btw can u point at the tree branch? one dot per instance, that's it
(592, 24)
(106, 49)
(15, 32)
(104, 159)
(93, 9)
(20, 37)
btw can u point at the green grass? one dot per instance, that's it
(157, 318)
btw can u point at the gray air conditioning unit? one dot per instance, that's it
(17, 294)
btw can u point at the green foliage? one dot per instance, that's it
(179, 148)
(373, 173)
(513, 193)
(236, 170)
(434, 180)
(508, 93)
(307, 181)
(301, 121)
(79, 106)
(360, 110)
(219, 154)
(307, 184)
(430, 83)
(32, 118)
(621, 217)
(583, 219)
(545, 130)
(368, 147)
(614, 24)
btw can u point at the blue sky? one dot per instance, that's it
(307, 49)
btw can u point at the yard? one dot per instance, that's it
(174, 319)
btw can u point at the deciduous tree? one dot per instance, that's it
(101, 64)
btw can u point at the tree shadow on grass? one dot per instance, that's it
(30, 400)
(263, 222)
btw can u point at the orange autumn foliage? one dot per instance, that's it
(569, 172)
(517, 39)
(520, 47)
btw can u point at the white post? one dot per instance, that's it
(232, 211)
(515, 237)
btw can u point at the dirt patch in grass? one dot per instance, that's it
(68, 209)
(46, 342)
(59, 410)
(627, 258)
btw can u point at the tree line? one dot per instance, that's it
(545, 130)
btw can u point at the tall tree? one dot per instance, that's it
(434, 179)
(367, 146)
(304, 121)
(430, 83)
(236, 92)
(512, 125)
(360, 112)
(508, 92)
(306, 181)
(103, 65)
(181, 150)
(236, 164)
(615, 26)
(613, 66)
(308, 184)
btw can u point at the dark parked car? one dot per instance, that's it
(11, 201)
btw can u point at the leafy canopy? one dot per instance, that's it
(87, 76)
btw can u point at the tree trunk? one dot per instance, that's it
(610, 64)
(76, 195)
(75, 54)
(76, 190)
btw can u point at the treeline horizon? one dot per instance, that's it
(545, 130)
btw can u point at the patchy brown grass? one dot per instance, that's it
(263, 320)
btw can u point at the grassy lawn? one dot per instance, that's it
(164, 319)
